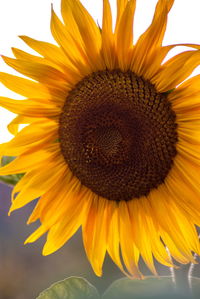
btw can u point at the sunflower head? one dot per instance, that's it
(111, 141)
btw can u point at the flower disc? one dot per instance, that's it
(118, 134)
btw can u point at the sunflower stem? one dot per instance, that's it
(180, 277)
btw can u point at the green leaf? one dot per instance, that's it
(12, 179)
(149, 288)
(70, 288)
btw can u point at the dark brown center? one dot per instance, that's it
(118, 134)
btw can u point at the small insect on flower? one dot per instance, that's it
(112, 144)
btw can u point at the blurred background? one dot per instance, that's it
(24, 272)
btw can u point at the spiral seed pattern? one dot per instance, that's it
(118, 134)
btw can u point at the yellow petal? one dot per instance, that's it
(71, 25)
(175, 70)
(48, 203)
(41, 135)
(142, 235)
(29, 161)
(188, 173)
(61, 232)
(73, 49)
(70, 73)
(32, 89)
(124, 42)
(95, 231)
(13, 126)
(189, 229)
(113, 245)
(185, 98)
(36, 235)
(53, 209)
(35, 183)
(189, 153)
(39, 72)
(22, 55)
(189, 135)
(152, 39)
(151, 230)
(188, 88)
(150, 69)
(189, 202)
(171, 246)
(121, 4)
(108, 37)
(49, 51)
(90, 33)
(25, 87)
(129, 251)
(162, 205)
(30, 107)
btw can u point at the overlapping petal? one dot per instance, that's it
(147, 227)
(124, 42)
(108, 51)
(150, 41)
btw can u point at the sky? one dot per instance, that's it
(32, 18)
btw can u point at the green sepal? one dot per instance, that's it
(57, 140)
(12, 179)
(100, 29)
(70, 288)
(169, 91)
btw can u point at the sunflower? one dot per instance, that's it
(111, 142)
